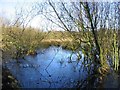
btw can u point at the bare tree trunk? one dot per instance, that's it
(93, 28)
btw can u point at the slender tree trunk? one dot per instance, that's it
(93, 29)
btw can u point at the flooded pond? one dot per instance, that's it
(50, 68)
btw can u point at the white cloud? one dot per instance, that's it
(8, 13)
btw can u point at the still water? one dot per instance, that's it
(50, 68)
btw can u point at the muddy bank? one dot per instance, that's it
(111, 80)
(8, 81)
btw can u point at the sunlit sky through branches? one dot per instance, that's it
(9, 9)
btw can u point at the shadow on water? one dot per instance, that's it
(50, 68)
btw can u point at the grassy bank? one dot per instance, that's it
(18, 42)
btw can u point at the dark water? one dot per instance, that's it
(50, 68)
(112, 80)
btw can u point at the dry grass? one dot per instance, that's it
(18, 43)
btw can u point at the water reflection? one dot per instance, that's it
(50, 68)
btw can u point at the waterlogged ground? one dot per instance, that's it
(50, 68)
